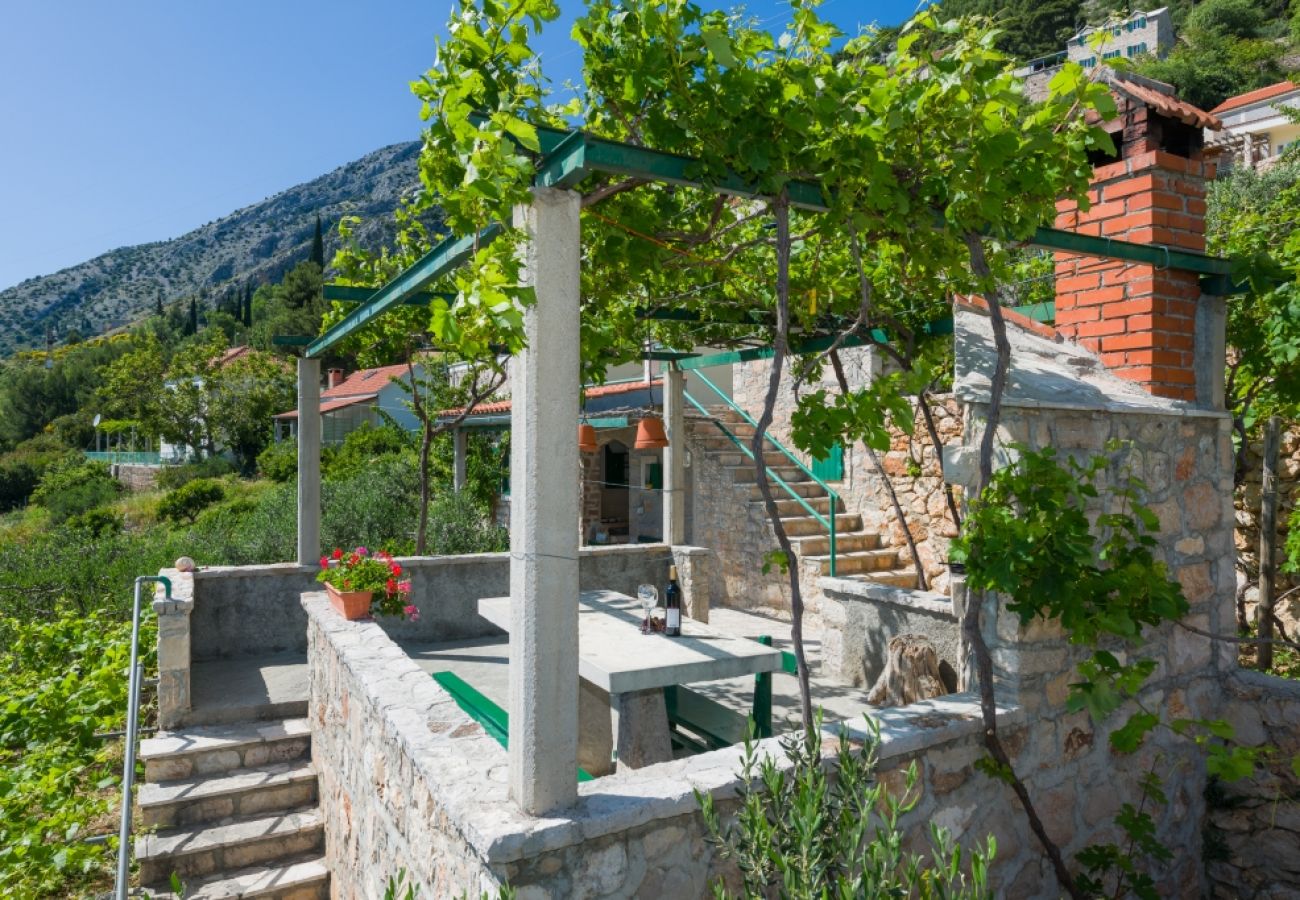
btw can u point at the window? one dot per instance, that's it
(1115, 31)
(1089, 62)
(1110, 55)
(1141, 22)
(1137, 49)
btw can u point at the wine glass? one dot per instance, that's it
(649, 597)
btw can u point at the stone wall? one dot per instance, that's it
(407, 780)
(1185, 459)
(860, 617)
(254, 610)
(135, 477)
(1253, 831)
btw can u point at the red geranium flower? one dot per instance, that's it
(337, 554)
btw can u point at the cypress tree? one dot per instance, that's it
(248, 305)
(192, 326)
(318, 246)
(158, 306)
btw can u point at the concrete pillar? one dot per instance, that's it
(1210, 355)
(543, 705)
(674, 458)
(309, 431)
(458, 444)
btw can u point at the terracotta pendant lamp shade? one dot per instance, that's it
(586, 438)
(650, 434)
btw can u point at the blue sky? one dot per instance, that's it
(138, 120)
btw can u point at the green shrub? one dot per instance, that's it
(363, 448)
(172, 477)
(279, 462)
(64, 682)
(458, 525)
(98, 522)
(70, 489)
(187, 501)
(810, 831)
(21, 469)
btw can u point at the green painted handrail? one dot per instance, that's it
(828, 521)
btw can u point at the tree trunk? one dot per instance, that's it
(911, 673)
(1267, 544)
(422, 522)
(781, 209)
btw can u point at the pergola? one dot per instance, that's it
(544, 540)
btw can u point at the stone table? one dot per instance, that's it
(623, 673)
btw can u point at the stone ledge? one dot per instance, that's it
(181, 601)
(269, 569)
(456, 761)
(925, 601)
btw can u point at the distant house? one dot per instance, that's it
(1255, 130)
(1128, 38)
(175, 453)
(367, 396)
(1141, 33)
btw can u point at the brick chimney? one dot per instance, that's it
(334, 377)
(1141, 319)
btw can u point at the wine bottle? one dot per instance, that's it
(672, 605)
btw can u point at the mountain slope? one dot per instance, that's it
(254, 244)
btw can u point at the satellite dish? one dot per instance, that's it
(95, 421)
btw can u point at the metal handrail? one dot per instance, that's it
(827, 522)
(132, 732)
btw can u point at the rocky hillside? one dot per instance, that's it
(255, 244)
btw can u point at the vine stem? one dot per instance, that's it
(921, 582)
(971, 624)
(781, 212)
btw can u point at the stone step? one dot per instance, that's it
(303, 879)
(206, 750)
(900, 578)
(858, 563)
(802, 488)
(230, 845)
(744, 474)
(238, 792)
(820, 545)
(797, 526)
(791, 507)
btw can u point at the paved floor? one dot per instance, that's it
(236, 690)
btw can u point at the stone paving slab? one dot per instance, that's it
(227, 691)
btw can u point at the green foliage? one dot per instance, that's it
(1029, 28)
(1213, 68)
(279, 461)
(186, 502)
(805, 831)
(97, 522)
(1031, 538)
(172, 477)
(1225, 19)
(64, 682)
(74, 488)
(457, 525)
(363, 447)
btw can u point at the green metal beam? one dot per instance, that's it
(1039, 312)
(667, 355)
(341, 293)
(1155, 254)
(442, 259)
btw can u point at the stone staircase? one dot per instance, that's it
(232, 811)
(860, 554)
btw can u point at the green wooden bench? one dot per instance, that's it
(494, 719)
(710, 724)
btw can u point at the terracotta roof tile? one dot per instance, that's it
(1166, 104)
(1256, 96)
(365, 381)
(602, 390)
(331, 405)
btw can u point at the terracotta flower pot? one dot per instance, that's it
(351, 605)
